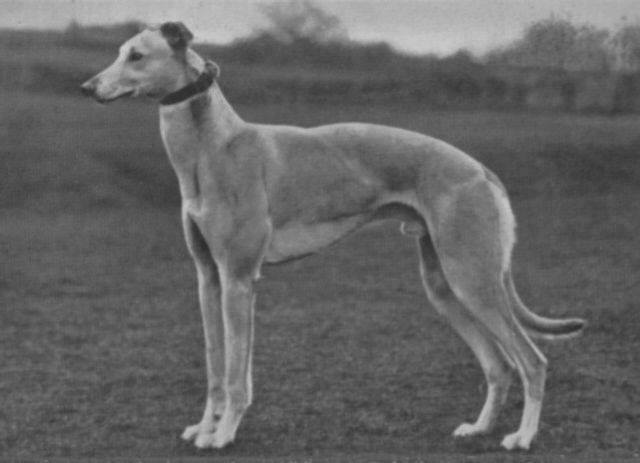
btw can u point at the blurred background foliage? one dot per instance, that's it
(303, 54)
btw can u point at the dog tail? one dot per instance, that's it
(538, 326)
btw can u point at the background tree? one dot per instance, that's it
(590, 50)
(626, 46)
(294, 20)
(546, 43)
(556, 43)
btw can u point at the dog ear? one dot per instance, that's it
(178, 36)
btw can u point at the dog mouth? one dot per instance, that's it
(103, 100)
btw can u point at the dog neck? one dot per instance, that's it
(207, 117)
(195, 132)
(198, 107)
(201, 84)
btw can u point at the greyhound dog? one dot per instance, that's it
(254, 194)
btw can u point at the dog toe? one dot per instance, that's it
(190, 432)
(516, 441)
(211, 441)
(468, 429)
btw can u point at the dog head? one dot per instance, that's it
(154, 63)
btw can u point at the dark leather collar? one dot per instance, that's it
(201, 84)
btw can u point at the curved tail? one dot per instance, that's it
(538, 326)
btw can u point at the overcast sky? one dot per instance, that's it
(420, 26)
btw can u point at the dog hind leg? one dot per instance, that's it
(496, 366)
(474, 246)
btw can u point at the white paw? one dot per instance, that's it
(213, 440)
(468, 429)
(190, 432)
(517, 440)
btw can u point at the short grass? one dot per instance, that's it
(101, 344)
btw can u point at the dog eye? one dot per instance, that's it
(135, 56)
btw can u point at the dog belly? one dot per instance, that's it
(298, 239)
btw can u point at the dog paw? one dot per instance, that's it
(468, 429)
(190, 432)
(212, 440)
(517, 440)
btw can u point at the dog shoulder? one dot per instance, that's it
(247, 140)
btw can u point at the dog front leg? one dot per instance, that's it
(209, 296)
(237, 310)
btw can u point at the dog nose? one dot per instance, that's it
(88, 89)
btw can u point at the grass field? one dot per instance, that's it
(101, 351)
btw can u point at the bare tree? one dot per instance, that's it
(293, 20)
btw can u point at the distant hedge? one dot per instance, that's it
(262, 69)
